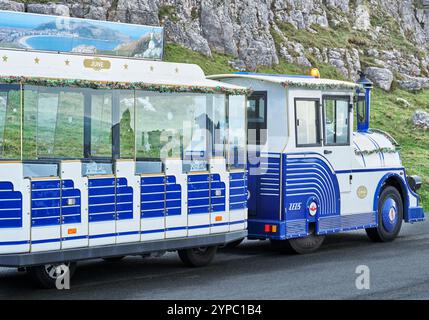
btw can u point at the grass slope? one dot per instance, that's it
(387, 114)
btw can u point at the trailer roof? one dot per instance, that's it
(61, 69)
(297, 81)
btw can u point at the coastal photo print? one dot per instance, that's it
(73, 35)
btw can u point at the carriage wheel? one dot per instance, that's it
(304, 245)
(390, 216)
(197, 257)
(46, 276)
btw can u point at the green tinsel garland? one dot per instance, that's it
(316, 86)
(48, 82)
(375, 151)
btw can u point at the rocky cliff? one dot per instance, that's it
(387, 38)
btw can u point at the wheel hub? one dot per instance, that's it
(389, 214)
(56, 271)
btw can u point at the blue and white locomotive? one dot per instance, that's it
(309, 174)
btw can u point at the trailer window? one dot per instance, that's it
(46, 123)
(307, 122)
(183, 126)
(3, 106)
(336, 120)
(10, 122)
(126, 122)
(217, 125)
(53, 123)
(237, 132)
(101, 124)
(257, 118)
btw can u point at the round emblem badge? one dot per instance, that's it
(312, 209)
(392, 214)
(362, 192)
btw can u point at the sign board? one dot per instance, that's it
(72, 35)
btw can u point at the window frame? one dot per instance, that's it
(115, 143)
(230, 165)
(7, 88)
(318, 126)
(88, 93)
(346, 98)
(263, 94)
(359, 99)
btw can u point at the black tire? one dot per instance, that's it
(113, 259)
(45, 276)
(389, 220)
(304, 245)
(197, 257)
(233, 244)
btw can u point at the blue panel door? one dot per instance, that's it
(152, 197)
(217, 194)
(199, 194)
(70, 203)
(173, 197)
(237, 191)
(206, 193)
(10, 206)
(124, 199)
(101, 200)
(45, 203)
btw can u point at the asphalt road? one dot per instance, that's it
(398, 270)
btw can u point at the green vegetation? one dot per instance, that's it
(215, 65)
(386, 114)
(344, 36)
(168, 12)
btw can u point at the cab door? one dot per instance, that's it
(337, 128)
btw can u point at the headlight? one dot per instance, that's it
(415, 182)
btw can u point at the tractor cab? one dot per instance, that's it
(309, 173)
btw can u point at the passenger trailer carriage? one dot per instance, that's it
(103, 157)
(309, 173)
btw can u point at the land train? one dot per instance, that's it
(106, 157)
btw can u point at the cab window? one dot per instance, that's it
(360, 111)
(307, 122)
(257, 118)
(336, 114)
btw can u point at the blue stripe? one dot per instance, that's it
(176, 228)
(363, 158)
(75, 238)
(11, 223)
(199, 227)
(152, 231)
(369, 170)
(127, 233)
(45, 241)
(377, 146)
(238, 222)
(219, 224)
(14, 243)
(106, 235)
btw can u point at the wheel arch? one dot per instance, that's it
(396, 181)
